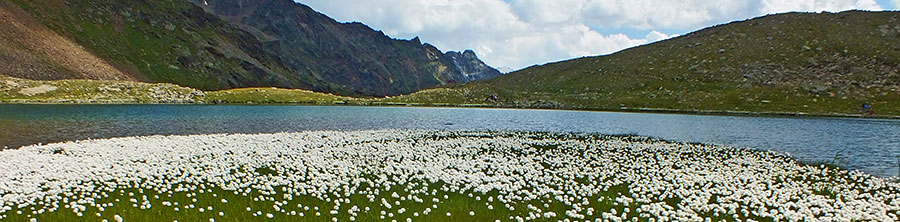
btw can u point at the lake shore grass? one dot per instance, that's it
(401, 175)
(21, 91)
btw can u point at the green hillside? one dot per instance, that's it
(824, 64)
(15, 90)
(218, 45)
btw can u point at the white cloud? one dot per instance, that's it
(649, 14)
(521, 33)
(500, 36)
(656, 36)
(548, 12)
(896, 4)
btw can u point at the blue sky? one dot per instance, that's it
(514, 34)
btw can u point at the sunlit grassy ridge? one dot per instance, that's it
(472, 95)
(13, 90)
(793, 63)
(275, 95)
(426, 176)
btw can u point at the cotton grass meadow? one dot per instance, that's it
(400, 175)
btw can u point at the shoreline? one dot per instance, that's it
(103, 92)
(614, 135)
(486, 106)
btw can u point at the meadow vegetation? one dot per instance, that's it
(398, 175)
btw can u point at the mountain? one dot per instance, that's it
(815, 63)
(471, 67)
(30, 50)
(220, 44)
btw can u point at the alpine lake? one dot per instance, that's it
(356, 163)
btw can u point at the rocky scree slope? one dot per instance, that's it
(30, 50)
(227, 44)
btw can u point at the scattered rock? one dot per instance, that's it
(818, 89)
(110, 88)
(12, 84)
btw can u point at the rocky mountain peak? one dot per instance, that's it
(471, 67)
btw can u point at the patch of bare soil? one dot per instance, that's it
(30, 50)
(37, 90)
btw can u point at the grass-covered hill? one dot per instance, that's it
(826, 63)
(212, 45)
(28, 49)
(80, 91)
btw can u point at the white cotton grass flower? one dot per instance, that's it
(576, 171)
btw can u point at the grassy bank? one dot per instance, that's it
(14, 90)
(725, 102)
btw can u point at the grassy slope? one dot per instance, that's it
(160, 41)
(125, 92)
(220, 45)
(275, 95)
(93, 91)
(788, 63)
(13, 90)
(30, 50)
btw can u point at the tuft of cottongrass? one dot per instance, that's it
(404, 175)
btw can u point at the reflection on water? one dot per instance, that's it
(869, 145)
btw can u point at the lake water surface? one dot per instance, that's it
(869, 145)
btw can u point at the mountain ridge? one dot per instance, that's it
(813, 63)
(230, 44)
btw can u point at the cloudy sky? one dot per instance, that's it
(514, 34)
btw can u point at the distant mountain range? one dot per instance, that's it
(814, 63)
(220, 44)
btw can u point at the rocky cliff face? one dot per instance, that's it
(221, 44)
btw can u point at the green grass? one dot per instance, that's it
(94, 91)
(234, 208)
(724, 101)
(127, 200)
(105, 91)
(274, 96)
(735, 101)
(158, 41)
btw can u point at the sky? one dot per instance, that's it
(514, 34)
